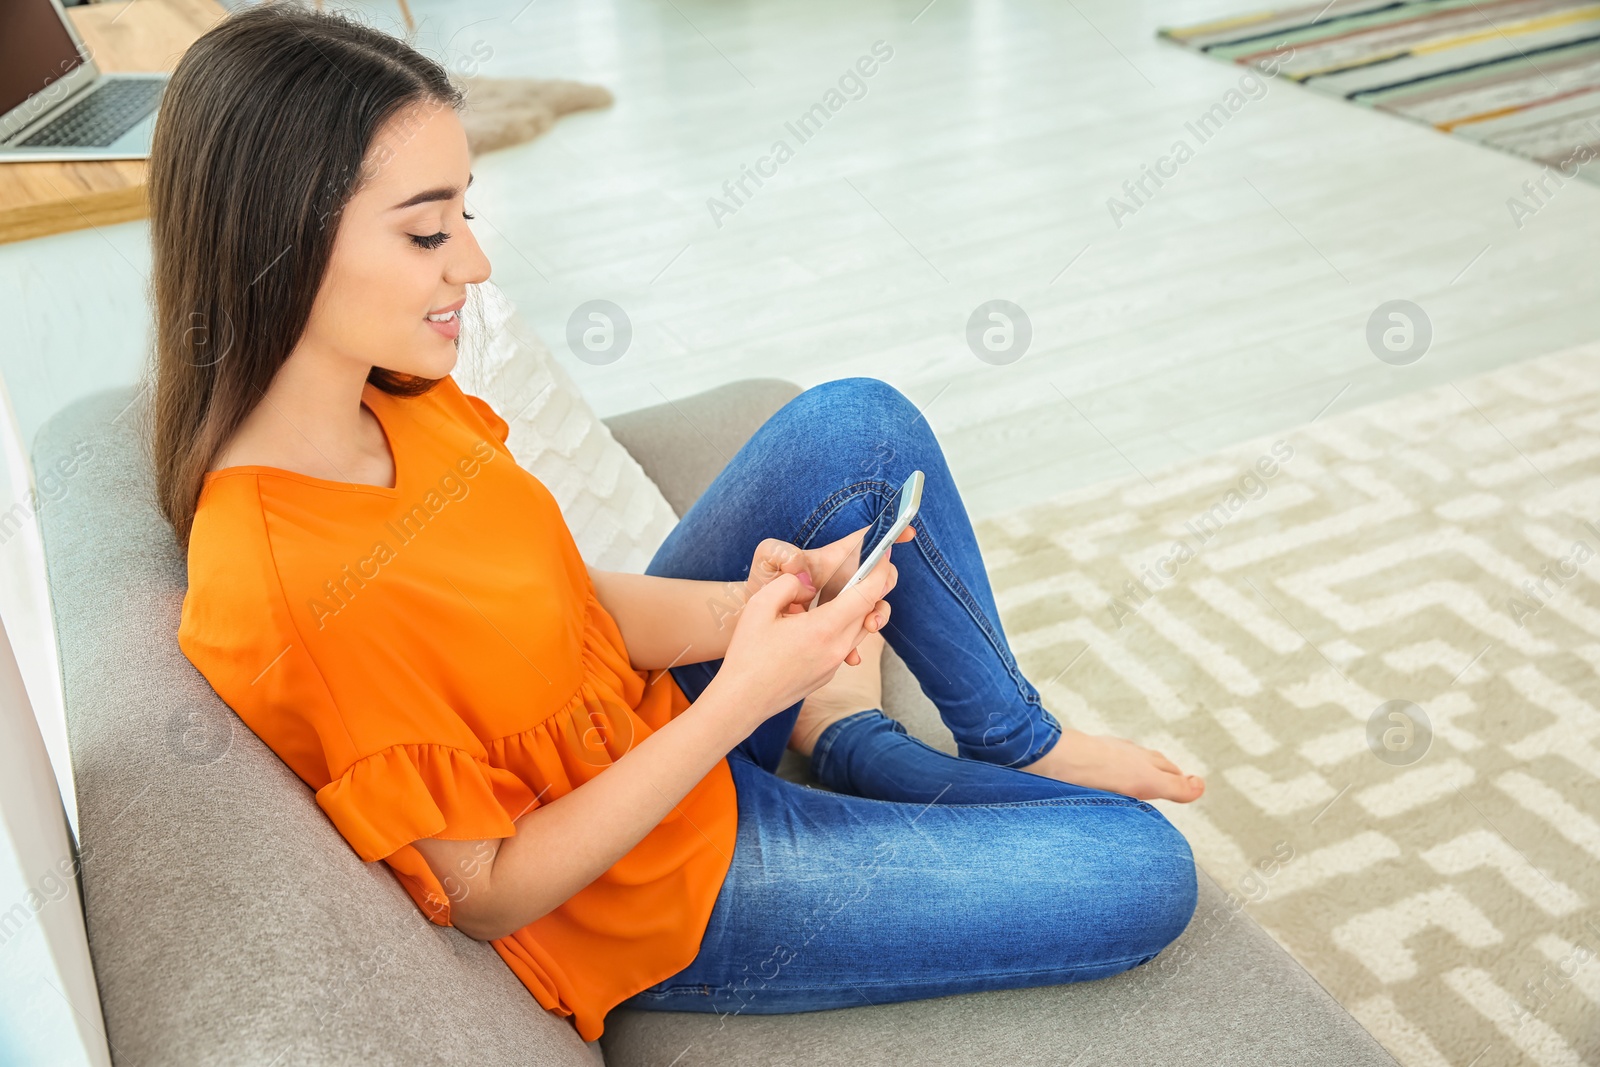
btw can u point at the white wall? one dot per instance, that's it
(25, 603)
(50, 1014)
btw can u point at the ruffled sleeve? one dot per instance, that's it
(442, 787)
(389, 799)
(393, 797)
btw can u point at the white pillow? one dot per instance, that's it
(617, 515)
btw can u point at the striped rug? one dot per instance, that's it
(1522, 76)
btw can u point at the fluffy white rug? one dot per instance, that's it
(507, 111)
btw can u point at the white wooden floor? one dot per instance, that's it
(977, 165)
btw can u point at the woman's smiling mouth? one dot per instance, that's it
(447, 321)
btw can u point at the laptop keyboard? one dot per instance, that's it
(110, 110)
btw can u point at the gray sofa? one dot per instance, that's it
(231, 924)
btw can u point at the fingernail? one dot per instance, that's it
(806, 579)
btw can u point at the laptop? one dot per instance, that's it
(56, 104)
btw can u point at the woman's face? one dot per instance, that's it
(383, 279)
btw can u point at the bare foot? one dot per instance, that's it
(852, 689)
(1110, 763)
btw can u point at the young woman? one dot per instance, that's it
(400, 612)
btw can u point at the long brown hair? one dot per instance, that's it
(258, 146)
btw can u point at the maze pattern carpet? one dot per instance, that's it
(1378, 637)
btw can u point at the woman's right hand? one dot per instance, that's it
(780, 653)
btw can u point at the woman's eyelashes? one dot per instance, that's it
(434, 240)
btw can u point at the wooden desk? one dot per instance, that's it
(38, 199)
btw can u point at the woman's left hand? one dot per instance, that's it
(827, 566)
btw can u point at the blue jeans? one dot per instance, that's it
(913, 873)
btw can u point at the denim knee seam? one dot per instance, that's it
(831, 505)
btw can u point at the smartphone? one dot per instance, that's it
(909, 498)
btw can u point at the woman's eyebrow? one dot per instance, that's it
(443, 192)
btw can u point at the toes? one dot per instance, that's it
(1182, 788)
(1179, 786)
(1161, 761)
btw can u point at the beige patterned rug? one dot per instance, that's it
(1254, 613)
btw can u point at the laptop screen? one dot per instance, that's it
(35, 50)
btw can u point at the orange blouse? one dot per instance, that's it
(432, 659)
